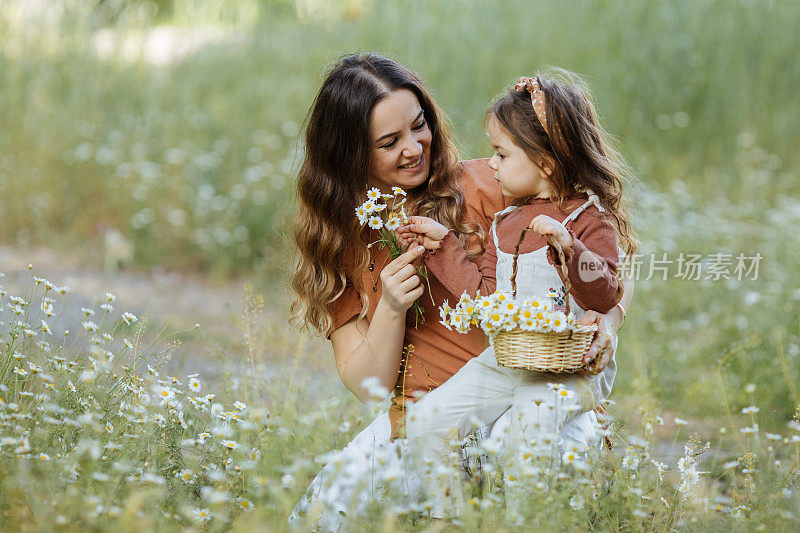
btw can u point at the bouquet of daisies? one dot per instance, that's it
(501, 312)
(380, 216)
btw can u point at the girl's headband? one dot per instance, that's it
(537, 97)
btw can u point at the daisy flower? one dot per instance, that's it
(164, 393)
(369, 206)
(374, 194)
(375, 222)
(241, 406)
(185, 475)
(194, 384)
(89, 326)
(397, 191)
(247, 505)
(509, 307)
(201, 514)
(362, 214)
(495, 319)
(559, 322)
(230, 444)
(393, 223)
(110, 297)
(129, 318)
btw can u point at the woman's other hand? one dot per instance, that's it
(604, 343)
(400, 281)
(423, 230)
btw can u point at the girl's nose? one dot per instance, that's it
(493, 164)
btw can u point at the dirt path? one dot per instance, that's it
(177, 301)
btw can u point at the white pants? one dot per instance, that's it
(476, 396)
(370, 467)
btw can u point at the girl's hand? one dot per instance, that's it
(423, 230)
(544, 225)
(603, 345)
(400, 282)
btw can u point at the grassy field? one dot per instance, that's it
(120, 154)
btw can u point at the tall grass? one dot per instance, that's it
(192, 161)
(96, 434)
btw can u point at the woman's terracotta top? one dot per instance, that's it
(438, 352)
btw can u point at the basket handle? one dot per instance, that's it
(561, 269)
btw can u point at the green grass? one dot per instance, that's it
(178, 157)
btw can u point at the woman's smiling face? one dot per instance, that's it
(401, 143)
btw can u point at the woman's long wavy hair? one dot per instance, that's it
(576, 145)
(332, 182)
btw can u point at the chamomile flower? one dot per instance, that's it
(241, 406)
(247, 505)
(369, 206)
(200, 514)
(509, 307)
(374, 194)
(230, 444)
(194, 384)
(393, 222)
(110, 297)
(164, 393)
(129, 318)
(375, 222)
(89, 326)
(86, 311)
(107, 307)
(109, 427)
(397, 191)
(185, 475)
(362, 214)
(559, 322)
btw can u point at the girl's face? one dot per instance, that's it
(517, 175)
(401, 143)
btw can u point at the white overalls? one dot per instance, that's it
(482, 390)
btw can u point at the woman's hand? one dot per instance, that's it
(400, 282)
(544, 225)
(423, 230)
(604, 343)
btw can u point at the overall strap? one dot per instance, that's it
(593, 199)
(497, 216)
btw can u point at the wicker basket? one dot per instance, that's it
(544, 352)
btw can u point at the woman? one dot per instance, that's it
(373, 124)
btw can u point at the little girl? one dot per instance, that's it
(551, 157)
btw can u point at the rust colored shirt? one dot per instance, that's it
(591, 231)
(438, 353)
